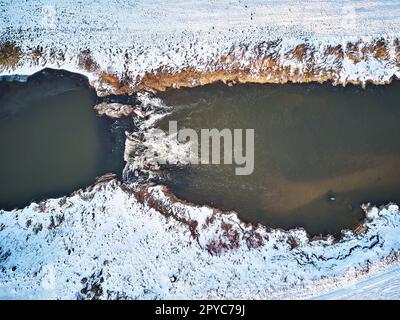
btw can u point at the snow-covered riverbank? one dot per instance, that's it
(129, 45)
(105, 242)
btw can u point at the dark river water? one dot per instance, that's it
(320, 152)
(51, 140)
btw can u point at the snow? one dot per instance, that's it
(130, 38)
(382, 285)
(102, 242)
(104, 235)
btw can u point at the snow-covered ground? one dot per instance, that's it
(105, 243)
(382, 285)
(128, 39)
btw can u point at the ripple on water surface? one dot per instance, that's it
(320, 152)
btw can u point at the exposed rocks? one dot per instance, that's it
(114, 110)
(361, 229)
(106, 177)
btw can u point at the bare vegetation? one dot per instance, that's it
(10, 55)
(37, 53)
(87, 62)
